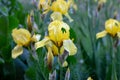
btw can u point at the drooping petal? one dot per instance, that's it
(68, 16)
(18, 50)
(101, 34)
(56, 16)
(70, 47)
(42, 43)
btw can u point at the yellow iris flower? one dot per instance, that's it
(58, 31)
(62, 7)
(112, 27)
(58, 39)
(22, 37)
(44, 5)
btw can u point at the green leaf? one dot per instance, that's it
(13, 22)
(30, 74)
(71, 60)
(2, 61)
(109, 73)
(72, 34)
(3, 31)
(6, 52)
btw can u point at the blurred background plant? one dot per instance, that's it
(93, 58)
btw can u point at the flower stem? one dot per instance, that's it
(114, 75)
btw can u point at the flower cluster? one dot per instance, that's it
(58, 7)
(57, 41)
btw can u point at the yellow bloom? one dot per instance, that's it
(22, 37)
(62, 7)
(58, 31)
(58, 39)
(44, 5)
(112, 27)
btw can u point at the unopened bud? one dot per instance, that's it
(50, 58)
(65, 64)
(30, 21)
(52, 76)
(67, 75)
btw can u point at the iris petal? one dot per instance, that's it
(70, 47)
(101, 34)
(42, 43)
(56, 16)
(18, 50)
(68, 16)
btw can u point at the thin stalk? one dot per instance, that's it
(61, 73)
(114, 75)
